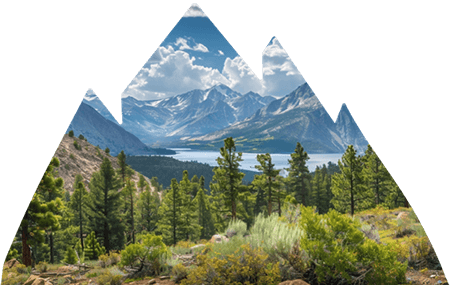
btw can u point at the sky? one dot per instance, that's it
(195, 55)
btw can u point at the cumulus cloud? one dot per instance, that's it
(169, 72)
(183, 44)
(280, 76)
(194, 11)
(240, 76)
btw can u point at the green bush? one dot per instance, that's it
(251, 266)
(107, 278)
(105, 260)
(338, 248)
(236, 228)
(81, 137)
(70, 257)
(42, 266)
(92, 249)
(179, 272)
(76, 145)
(150, 249)
(71, 133)
(107, 150)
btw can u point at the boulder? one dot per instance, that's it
(402, 216)
(196, 246)
(219, 238)
(153, 281)
(294, 282)
(11, 263)
(30, 279)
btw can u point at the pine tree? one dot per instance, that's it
(376, 175)
(141, 183)
(105, 205)
(228, 176)
(71, 133)
(70, 256)
(348, 187)
(326, 185)
(50, 190)
(269, 172)
(78, 205)
(121, 160)
(92, 249)
(190, 228)
(299, 174)
(129, 193)
(147, 210)
(170, 213)
(205, 219)
(318, 193)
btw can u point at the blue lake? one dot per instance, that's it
(249, 159)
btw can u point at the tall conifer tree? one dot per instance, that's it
(299, 174)
(348, 187)
(170, 212)
(228, 176)
(105, 205)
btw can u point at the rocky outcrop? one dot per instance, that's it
(294, 282)
(11, 263)
(218, 239)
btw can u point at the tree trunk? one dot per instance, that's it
(269, 206)
(81, 231)
(26, 253)
(132, 218)
(52, 260)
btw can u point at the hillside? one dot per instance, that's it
(85, 161)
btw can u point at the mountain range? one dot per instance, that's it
(106, 133)
(201, 119)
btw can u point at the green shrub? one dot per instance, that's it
(337, 248)
(251, 266)
(71, 133)
(70, 256)
(107, 150)
(107, 278)
(92, 249)
(81, 137)
(76, 145)
(105, 260)
(72, 156)
(236, 227)
(179, 272)
(22, 269)
(42, 266)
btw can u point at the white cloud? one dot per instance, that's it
(183, 44)
(221, 52)
(280, 76)
(173, 74)
(241, 77)
(194, 11)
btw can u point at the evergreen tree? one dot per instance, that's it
(92, 249)
(376, 175)
(326, 185)
(50, 190)
(141, 183)
(348, 187)
(70, 256)
(129, 193)
(205, 219)
(170, 213)
(147, 210)
(71, 133)
(318, 193)
(121, 160)
(105, 205)
(78, 205)
(107, 150)
(228, 176)
(299, 174)
(190, 228)
(269, 172)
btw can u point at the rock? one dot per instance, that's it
(219, 238)
(196, 246)
(39, 281)
(153, 281)
(11, 263)
(30, 280)
(432, 276)
(164, 277)
(402, 215)
(294, 282)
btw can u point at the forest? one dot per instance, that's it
(335, 225)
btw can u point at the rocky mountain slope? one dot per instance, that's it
(104, 133)
(194, 113)
(299, 116)
(85, 161)
(349, 130)
(92, 100)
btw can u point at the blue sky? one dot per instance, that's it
(195, 55)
